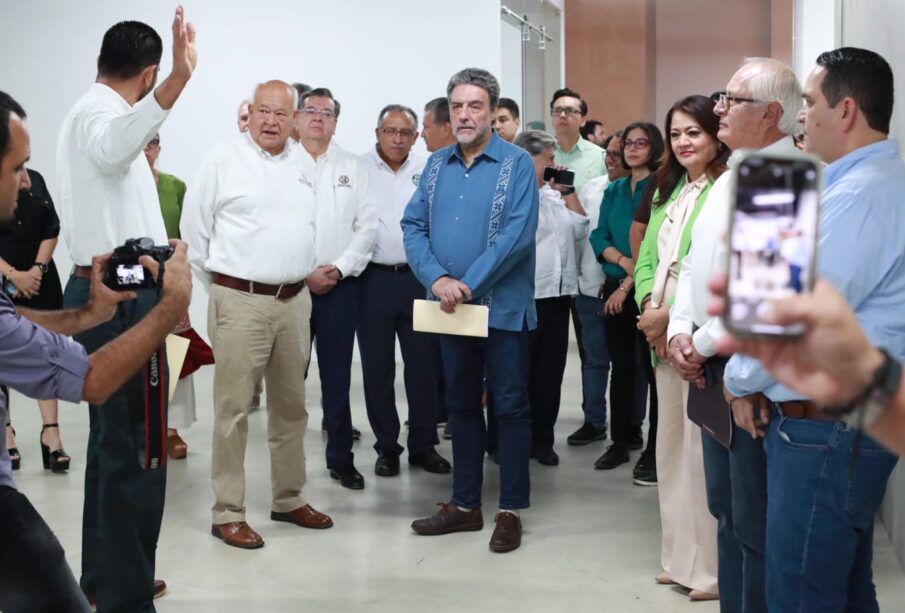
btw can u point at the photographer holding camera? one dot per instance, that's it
(108, 195)
(37, 360)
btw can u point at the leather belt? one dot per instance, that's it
(804, 409)
(81, 272)
(283, 291)
(390, 267)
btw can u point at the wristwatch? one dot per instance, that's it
(42, 267)
(567, 191)
(883, 387)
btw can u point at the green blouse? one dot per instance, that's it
(171, 192)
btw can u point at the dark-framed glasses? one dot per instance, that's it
(724, 99)
(638, 143)
(395, 132)
(325, 113)
(565, 111)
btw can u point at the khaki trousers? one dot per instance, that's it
(254, 335)
(688, 551)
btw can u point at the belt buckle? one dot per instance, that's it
(279, 289)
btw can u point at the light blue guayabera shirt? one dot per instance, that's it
(861, 251)
(477, 224)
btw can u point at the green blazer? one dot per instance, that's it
(648, 258)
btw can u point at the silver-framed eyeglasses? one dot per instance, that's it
(397, 132)
(325, 113)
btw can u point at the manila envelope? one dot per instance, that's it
(468, 319)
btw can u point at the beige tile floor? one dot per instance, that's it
(591, 539)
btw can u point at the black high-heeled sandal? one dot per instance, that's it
(54, 461)
(15, 457)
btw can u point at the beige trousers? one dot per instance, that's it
(688, 544)
(254, 335)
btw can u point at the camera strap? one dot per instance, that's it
(155, 411)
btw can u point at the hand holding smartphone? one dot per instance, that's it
(773, 230)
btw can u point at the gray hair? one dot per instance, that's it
(479, 77)
(777, 83)
(399, 108)
(534, 142)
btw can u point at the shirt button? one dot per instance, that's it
(460, 197)
(54, 354)
(466, 175)
(457, 219)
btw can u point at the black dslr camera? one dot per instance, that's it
(125, 273)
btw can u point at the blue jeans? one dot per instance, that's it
(506, 358)
(595, 367)
(737, 497)
(825, 485)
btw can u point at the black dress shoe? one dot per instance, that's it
(586, 435)
(447, 435)
(615, 455)
(636, 441)
(547, 457)
(348, 477)
(645, 471)
(386, 465)
(431, 461)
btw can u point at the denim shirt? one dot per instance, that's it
(477, 224)
(861, 251)
(38, 363)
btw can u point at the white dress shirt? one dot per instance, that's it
(392, 191)
(106, 190)
(346, 209)
(249, 214)
(590, 271)
(558, 228)
(707, 256)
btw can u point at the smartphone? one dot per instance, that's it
(560, 177)
(773, 229)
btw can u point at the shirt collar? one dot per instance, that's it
(287, 149)
(375, 155)
(492, 150)
(888, 148)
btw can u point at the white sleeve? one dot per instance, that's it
(114, 140)
(364, 228)
(681, 315)
(197, 224)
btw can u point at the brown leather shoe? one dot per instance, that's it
(449, 519)
(176, 447)
(305, 516)
(238, 534)
(508, 533)
(160, 589)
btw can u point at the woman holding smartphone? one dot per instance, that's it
(694, 159)
(642, 147)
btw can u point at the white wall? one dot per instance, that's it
(369, 53)
(816, 29)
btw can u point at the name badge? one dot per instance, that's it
(344, 181)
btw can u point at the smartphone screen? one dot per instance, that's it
(773, 238)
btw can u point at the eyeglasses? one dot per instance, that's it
(638, 143)
(325, 113)
(154, 142)
(614, 155)
(395, 132)
(564, 111)
(727, 101)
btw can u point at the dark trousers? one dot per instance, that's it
(737, 497)
(333, 319)
(34, 575)
(124, 497)
(505, 356)
(549, 346)
(632, 371)
(387, 296)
